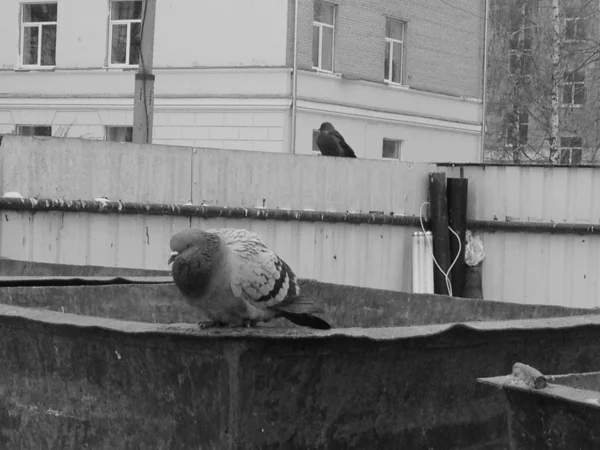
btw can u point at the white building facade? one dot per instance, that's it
(399, 81)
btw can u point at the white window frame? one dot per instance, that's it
(573, 84)
(39, 26)
(316, 150)
(127, 22)
(398, 145)
(575, 19)
(570, 149)
(321, 25)
(391, 42)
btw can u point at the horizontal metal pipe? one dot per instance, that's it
(533, 227)
(520, 165)
(209, 211)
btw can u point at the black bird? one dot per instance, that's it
(332, 143)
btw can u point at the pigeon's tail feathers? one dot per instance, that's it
(298, 304)
(306, 320)
(300, 310)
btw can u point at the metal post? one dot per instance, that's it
(143, 99)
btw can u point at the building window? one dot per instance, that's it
(394, 50)
(119, 134)
(315, 136)
(517, 129)
(391, 149)
(574, 25)
(521, 56)
(571, 149)
(125, 32)
(323, 31)
(38, 34)
(573, 88)
(34, 130)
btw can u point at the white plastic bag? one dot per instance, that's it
(474, 252)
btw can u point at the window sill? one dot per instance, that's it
(327, 73)
(121, 68)
(570, 105)
(394, 85)
(35, 69)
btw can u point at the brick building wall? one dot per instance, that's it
(444, 49)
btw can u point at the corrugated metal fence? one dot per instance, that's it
(537, 267)
(72, 169)
(526, 267)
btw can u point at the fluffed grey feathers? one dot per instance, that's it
(234, 279)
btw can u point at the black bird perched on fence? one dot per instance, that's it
(332, 143)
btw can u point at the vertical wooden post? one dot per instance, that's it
(457, 218)
(143, 98)
(439, 228)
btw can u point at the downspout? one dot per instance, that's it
(484, 81)
(294, 78)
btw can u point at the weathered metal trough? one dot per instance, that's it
(556, 412)
(103, 358)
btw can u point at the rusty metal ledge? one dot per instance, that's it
(207, 211)
(569, 394)
(11, 281)
(374, 334)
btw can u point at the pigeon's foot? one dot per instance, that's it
(211, 324)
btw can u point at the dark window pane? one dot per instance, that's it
(39, 12)
(576, 154)
(570, 29)
(134, 43)
(30, 45)
(119, 44)
(386, 61)
(119, 134)
(390, 149)
(579, 94)
(580, 31)
(126, 10)
(315, 46)
(394, 29)
(523, 134)
(28, 130)
(324, 12)
(48, 45)
(579, 75)
(327, 50)
(565, 157)
(569, 77)
(514, 63)
(397, 63)
(526, 63)
(567, 94)
(565, 142)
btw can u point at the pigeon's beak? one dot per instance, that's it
(172, 257)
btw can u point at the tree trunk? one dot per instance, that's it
(556, 75)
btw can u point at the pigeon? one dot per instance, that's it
(332, 143)
(235, 280)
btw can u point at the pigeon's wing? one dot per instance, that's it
(256, 273)
(348, 152)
